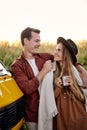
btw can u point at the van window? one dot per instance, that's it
(3, 70)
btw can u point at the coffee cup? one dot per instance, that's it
(64, 80)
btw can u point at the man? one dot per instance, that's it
(29, 70)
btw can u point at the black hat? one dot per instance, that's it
(71, 46)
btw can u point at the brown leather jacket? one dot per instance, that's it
(28, 83)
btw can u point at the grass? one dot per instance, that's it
(9, 52)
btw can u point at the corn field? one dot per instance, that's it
(9, 52)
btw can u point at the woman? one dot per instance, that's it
(68, 85)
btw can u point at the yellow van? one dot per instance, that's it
(11, 102)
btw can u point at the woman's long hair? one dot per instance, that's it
(66, 69)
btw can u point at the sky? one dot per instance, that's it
(66, 18)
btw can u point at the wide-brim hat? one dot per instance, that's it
(71, 46)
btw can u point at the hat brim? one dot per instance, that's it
(62, 40)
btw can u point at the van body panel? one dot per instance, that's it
(11, 101)
(9, 91)
(18, 126)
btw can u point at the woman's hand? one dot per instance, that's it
(58, 82)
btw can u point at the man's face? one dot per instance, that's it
(32, 45)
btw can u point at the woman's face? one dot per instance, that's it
(58, 55)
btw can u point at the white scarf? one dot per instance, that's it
(47, 104)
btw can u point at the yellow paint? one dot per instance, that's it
(9, 91)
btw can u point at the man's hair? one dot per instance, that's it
(27, 33)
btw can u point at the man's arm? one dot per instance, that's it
(27, 85)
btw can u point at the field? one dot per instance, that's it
(9, 52)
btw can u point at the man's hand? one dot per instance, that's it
(48, 65)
